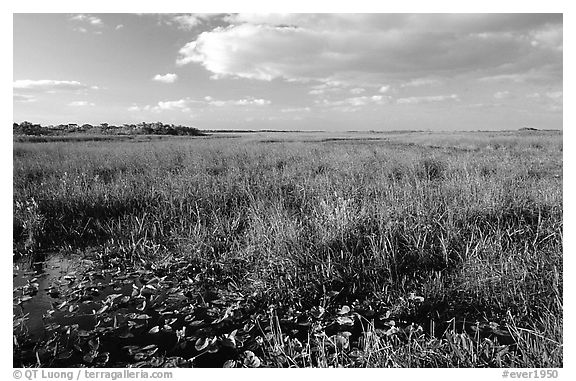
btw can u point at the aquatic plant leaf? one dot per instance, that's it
(229, 364)
(344, 320)
(102, 358)
(154, 329)
(214, 347)
(141, 306)
(251, 360)
(228, 341)
(344, 310)
(201, 343)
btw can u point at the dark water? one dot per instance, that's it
(66, 296)
(49, 276)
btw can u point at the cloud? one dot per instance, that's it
(80, 104)
(356, 101)
(85, 23)
(191, 21)
(384, 89)
(23, 98)
(119, 26)
(502, 94)
(185, 104)
(166, 78)
(417, 82)
(92, 20)
(181, 105)
(365, 48)
(240, 102)
(428, 99)
(555, 94)
(357, 90)
(296, 109)
(49, 85)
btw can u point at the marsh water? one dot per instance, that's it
(67, 312)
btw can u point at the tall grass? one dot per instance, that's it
(477, 233)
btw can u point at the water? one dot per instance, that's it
(61, 303)
(49, 276)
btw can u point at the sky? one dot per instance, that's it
(291, 71)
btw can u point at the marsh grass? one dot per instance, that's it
(476, 232)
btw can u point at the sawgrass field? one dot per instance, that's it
(291, 249)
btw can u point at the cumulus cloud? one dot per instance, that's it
(363, 48)
(166, 78)
(49, 85)
(181, 104)
(428, 99)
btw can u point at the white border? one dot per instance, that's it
(355, 6)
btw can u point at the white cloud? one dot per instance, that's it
(23, 98)
(166, 78)
(357, 90)
(417, 82)
(119, 26)
(49, 85)
(555, 94)
(428, 99)
(384, 89)
(549, 37)
(240, 102)
(80, 104)
(190, 21)
(86, 23)
(296, 109)
(185, 104)
(502, 94)
(365, 48)
(357, 101)
(181, 105)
